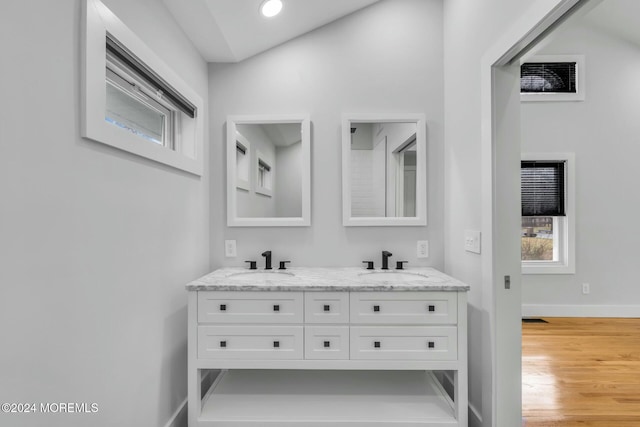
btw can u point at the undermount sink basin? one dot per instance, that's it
(384, 276)
(261, 275)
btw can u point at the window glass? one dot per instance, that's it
(129, 112)
(264, 180)
(135, 102)
(538, 238)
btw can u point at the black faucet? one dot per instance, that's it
(385, 259)
(267, 255)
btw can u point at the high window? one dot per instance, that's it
(132, 100)
(263, 178)
(553, 78)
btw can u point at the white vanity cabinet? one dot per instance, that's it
(320, 356)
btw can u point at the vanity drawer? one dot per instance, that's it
(404, 343)
(250, 342)
(250, 307)
(393, 308)
(326, 342)
(326, 307)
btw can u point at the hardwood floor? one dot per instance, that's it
(581, 372)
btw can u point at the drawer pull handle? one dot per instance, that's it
(376, 308)
(376, 344)
(327, 307)
(327, 344)
(223, 344)
(276, 344)
(432, 308)
(431, 344)
(276, 307)
(223, 307)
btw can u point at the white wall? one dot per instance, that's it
(386, 58)
(288, 186)
(603, 133)
(95, 244)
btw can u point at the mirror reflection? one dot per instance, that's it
(268, 171)
(274, 182)
(383, 169)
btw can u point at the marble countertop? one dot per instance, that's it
(327, 279)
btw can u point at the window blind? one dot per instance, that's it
(115, 48)
(263, 165)
(543, 188)
(544, 77)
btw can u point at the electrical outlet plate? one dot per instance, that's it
(230, 248)
(585, 288)
(472, 241)
(422, 249)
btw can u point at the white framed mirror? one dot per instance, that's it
(268, 171)
(384, 169)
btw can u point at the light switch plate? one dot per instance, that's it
(472, 241)
(422, 249)
(230, 248)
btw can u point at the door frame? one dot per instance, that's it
(500, 129)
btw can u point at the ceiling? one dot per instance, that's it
(618, 17)
(233, 30)
(283, 134)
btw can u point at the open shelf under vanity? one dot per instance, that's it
(326, 398)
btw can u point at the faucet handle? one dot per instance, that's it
(400, 265)
(369, 264)
(282, 265)
(252, 265)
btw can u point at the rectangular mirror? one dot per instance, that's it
(384, 162)
(268, 171)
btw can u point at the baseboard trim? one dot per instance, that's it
(568, 310)
(179, 417)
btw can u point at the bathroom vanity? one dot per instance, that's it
(327, 347)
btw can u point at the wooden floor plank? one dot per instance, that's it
(581, 372)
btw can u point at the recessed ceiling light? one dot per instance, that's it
(271, 8)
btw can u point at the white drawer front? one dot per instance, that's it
(250, 342)
(393, 308)
(404, 342)
(250, 307)
(326, 307)
(326, 342)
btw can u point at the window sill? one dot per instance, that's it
(547, 268)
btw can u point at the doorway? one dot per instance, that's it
(501, 213)
(603, 153)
